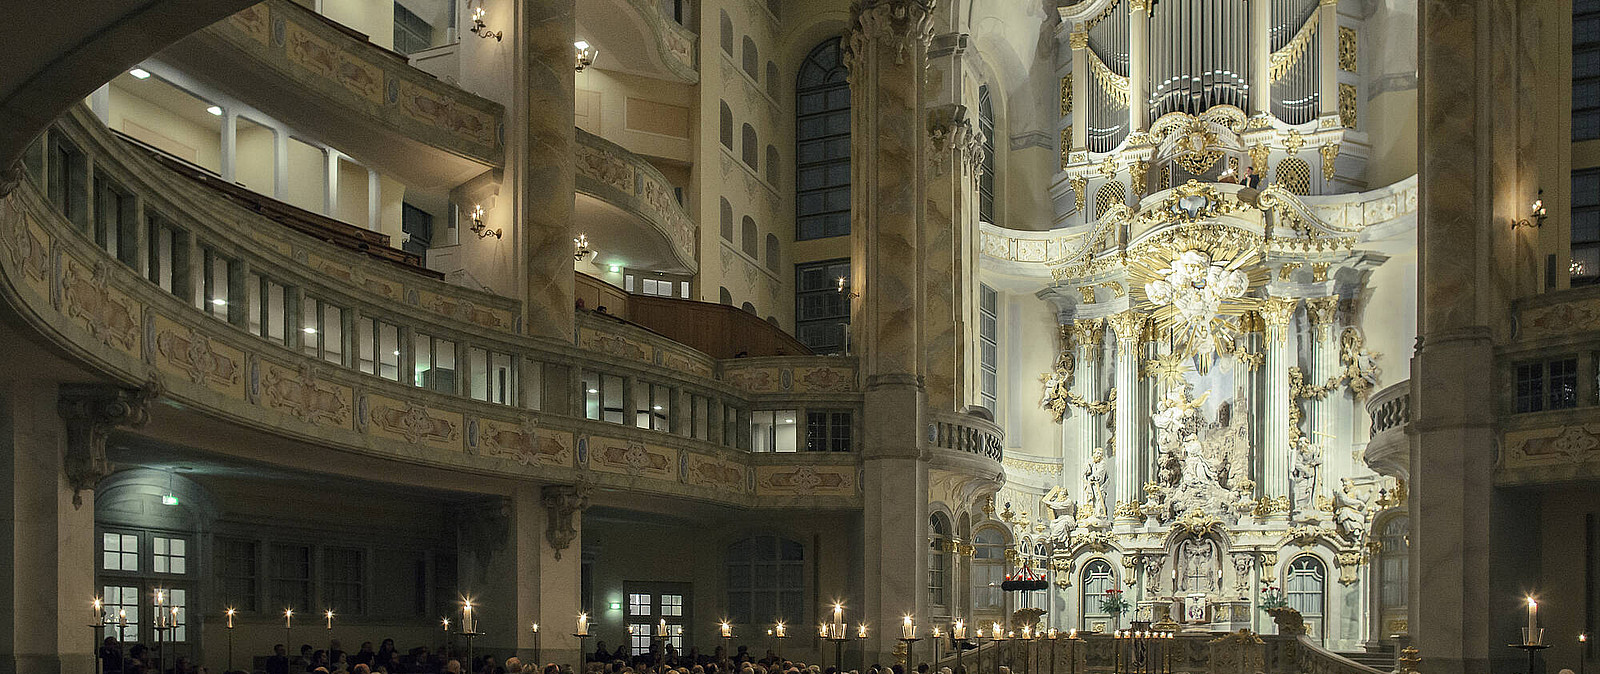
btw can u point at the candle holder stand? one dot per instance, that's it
(1533, 652)
(838, 650)
(911, 662)
(230, 647)
(777, 651)
(583, 651)
(537, 661)
(1072, 653)
(469, 636)
(1052, 639)
(161, 651)
(96, 628)
(999, 650)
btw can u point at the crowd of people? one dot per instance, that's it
(386, 659)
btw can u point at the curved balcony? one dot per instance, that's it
(635, 37)
(1389, 448)
(131, 313)
(967, 440)
(629, 210)
(328, 81)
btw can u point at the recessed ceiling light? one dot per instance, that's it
(594, 390)
(215, 110)
(139, 73)
(220, 302)
(309, 331)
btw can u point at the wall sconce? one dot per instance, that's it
(481, 30)
(478, 226)
(583, 55)
(843, 285)
(1536, 214)
(580, 248)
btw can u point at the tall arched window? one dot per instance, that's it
(727, 33)
(772, 252)
(1303, 585)
(752, 146)
(986, 181)
(1097, 579)
(727, 220)
(726, 126)
(1393, 571)
(749, 236)
(772, 165)
(751, 59)
(938, 560)
(766, 581)
(989, 569)
(822, 145)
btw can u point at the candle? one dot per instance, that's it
(536, 628)
(980, 632)
(583, 624)
(468, 625)
(661, 630)
(861, 631)
(230, 613)
(446, 622)
(1533, 621)
(99, 615)
(122, 617)
(329, 615)
(1073, 633)
(288, 617)
(838, 614)
(909, 629)
(174, 622)
(779, 631)
(1026, 633)
(960, 630)
(822, 630)
(727, 630)
(1052, 633)
(996, 633)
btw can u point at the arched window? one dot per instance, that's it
(749, 237)
(1097, 580)
(772, 165)
(724, 296)
(1303, 584)
(727, 220)
(751, 151)
(752, 59)
(727, 33)
(772, 80)
(750, 308)
(1110, 194)
(938, 560)
(772, 252)
(726, 127)
(988, 570)
(986, 181)
(1394, 544)
(1295, 175)
(766, 581)
(822, 145)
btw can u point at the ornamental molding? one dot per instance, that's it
(900, 24)
(90, 412)
(951, 132)
(562, 503)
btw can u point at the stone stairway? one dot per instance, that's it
(1381, 660)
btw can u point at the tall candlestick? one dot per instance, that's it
(288, 619)
(583, 624)
(1533, 621)
(329, 615)
(99, 615)
(909, 629)
(727, 630)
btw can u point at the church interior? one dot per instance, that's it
(800, 336)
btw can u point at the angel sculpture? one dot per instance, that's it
(1065, 516)
(1195, 287)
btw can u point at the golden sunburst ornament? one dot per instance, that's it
(1196, 293)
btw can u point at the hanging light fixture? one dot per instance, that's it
(481, 29)
(477, 224)
(169, 498)
(580, 248)
(583, 55)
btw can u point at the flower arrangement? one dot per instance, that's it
(1271, 596)
(1113, 603)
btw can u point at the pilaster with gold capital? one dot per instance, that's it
(1129, 326)
(1324, 315)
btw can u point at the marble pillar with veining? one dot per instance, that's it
(542, 144)
(1275, 449)
(1125, 459)
(1089, 335)
(1322, 415)
(949, 230)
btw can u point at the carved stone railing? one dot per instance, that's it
(966, 433)
(1390, 408)
(1389, 448)
(675, 43)
(104, 312)
(621, 178)
(337, 71)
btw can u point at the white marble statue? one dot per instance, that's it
(1064, 518)
(1196, 286)
(1349, 512)
(1096, 511)
(1241, 573)
(1303, 477)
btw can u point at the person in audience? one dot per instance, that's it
(361, 668)
(600, 652)
(452, 666)
(363, 656)
(513, 665)
(385, 650)
(335, 649)
(278, 662)
(111, 655)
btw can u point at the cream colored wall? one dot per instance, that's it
(1387, 315)
(255, 153)
(1028, 349)
(649, 117)
(351, 206)
(160, 127)
(391, 195)
(307, 169)
(373, 17)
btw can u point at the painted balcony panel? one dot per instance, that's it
(626, 206)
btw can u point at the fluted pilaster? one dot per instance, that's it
(1277, 313)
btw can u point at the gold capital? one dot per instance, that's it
(1129, 325)
(1089, 331)
(1278, 310)
(1322, 310)
(1079, 39)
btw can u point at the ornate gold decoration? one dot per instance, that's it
(1347, 105)
(1288, 620)
(1322, 310)
(1266, 506)
(1115, 86)
(1330, 155)
(1197, 142)
(1129, 325)
(1251, 360)
(1080, 191)
(1066, 147)
(1293, 142)
(1269, 559)
(1108, 168)
(1306, 536)
(901, 653)
(988, 506)
(1088, 331)
(1088, 294)
(1410, 659)
(1099, 541)
(1359, 373)
(1137, 6)
(1169, 368)
(1110, 195)
(1197, 287)
(1078, 39)
(1066, 94)
(1127, 510)
(1347, 49)
(1285, 59)
(1198, 523)
(1294, 175)
(1319, 271)
(1349, 562)
(1287, 270)
(1259, 154)
(1138, 172)
(1115, 288)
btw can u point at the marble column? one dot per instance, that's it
(1125, 460)
(1138, 67)
(1467, 177)
(1276, 452)
(1088, 335)
(950, 230)
(1260, 56)
(55, 455)
(887, 54)
(542, 143)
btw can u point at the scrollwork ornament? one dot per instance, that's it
(90, 412)
(1080, 191)
(562, 504)
(897, 23)
(1330, 156)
